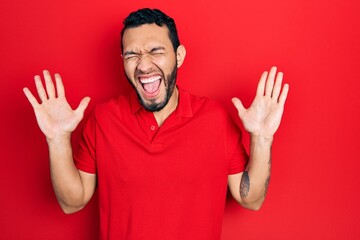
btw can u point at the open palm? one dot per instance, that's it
(54, 115)
(263, 117)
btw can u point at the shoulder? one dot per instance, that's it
(206, 105)
(203, 110)
(115, 106)
(213, 113)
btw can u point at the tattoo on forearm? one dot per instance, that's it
(245, 185)
(267, 185)
(270, 158)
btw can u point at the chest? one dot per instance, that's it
(138, 154)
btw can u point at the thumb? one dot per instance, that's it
(82, 106)
(237, 103)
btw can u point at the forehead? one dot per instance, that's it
(146, 35)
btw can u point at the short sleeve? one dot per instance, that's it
(85, 158)
(238, 157)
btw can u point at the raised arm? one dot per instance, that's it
(261, 120)
(57, 120)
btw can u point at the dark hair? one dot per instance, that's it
(149, 16)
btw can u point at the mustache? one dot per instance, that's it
(140, 72)
(153, 69)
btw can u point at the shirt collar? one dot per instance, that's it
(184, 108)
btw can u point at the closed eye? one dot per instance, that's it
(130, 55)
(157, 50)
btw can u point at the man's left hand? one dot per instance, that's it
(263, 117)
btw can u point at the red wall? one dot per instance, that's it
(314, 193)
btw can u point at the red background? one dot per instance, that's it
(314, 191)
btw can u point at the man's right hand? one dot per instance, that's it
(54, 115)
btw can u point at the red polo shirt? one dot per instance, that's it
(165, 182)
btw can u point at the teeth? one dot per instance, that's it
(150, 79)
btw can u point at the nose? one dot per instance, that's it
(144, 63)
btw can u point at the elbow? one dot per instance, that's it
(253, 205)
(67, 209)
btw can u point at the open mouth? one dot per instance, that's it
(151, 84)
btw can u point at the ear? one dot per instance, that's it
(180, 55)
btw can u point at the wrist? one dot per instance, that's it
(64, 138)
(263, 140)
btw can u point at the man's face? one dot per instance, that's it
(150, 64)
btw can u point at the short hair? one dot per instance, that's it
(150, 16)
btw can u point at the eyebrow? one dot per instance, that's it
(129, 53)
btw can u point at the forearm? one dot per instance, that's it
(261, 120)
(65, 177)
(255, 179)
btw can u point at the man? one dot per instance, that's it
(161, 157)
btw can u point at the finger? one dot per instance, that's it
(261, 84)
(277, 86)
(59, 86)
(34, 103)
(82, 106)
(239, 106)
(270, 82)
(40, 88)
(284, 94)
(50, 89)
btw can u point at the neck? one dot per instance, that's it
(164, 113)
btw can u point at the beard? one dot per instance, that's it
(169, 82)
